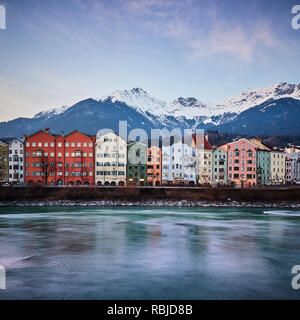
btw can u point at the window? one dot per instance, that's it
(67, 144)
(59, 144)
(27, 144)
(46, 144)
(52, 144)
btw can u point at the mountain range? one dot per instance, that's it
(263, 111)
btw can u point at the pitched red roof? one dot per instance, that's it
(202, 142)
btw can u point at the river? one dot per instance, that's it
(149, 253)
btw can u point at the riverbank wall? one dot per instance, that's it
(148, 194)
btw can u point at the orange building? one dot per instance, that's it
(154, 166)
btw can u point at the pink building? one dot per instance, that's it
(242, 163)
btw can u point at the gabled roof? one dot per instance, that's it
(43, 131)
(72, 132)
(11, 139)
(233, 142)
(202, 142)
(137, 142)
(261, 145)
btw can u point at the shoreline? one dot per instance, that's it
(154, 203)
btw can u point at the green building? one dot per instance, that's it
(219, 162)
(136, 163)
(263, 170)
(3, 162)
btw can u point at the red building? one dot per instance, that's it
(52, 159)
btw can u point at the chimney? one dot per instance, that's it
(47, 130)
(62, 133)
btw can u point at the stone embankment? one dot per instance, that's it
(154, 203)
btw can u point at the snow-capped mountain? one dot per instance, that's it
(191, 108)
(51, 112)
(273, 109)
(254, 97)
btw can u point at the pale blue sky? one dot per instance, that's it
(56, 53)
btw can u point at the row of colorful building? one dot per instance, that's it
(77, 158)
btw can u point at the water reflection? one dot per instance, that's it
(163, 253)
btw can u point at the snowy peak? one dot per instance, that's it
(190, 102)
(51, 112)
(250, 98)
(138, 99)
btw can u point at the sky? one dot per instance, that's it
(55, 53)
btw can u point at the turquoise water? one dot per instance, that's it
(147, 253)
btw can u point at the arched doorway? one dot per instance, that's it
(106, 183)
(59, 182)
(99, 183)
(121, 183)
(113, 183)
(157, 183)
(86, 183)
(71, 183)
(78, 182)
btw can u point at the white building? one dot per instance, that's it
(178, 164)
(15, 159)
(295, 167)
(111, 159)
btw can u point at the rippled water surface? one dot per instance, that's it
(147, 253)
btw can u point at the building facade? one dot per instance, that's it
(111, 160)
(3, 162)
(154, 166)
(263, 161)
(219, 166)
(296, 167)
(204, 160)
(136, 163)
(263, 167)
(79, 159)
(242, 163)
(15, 160)
(179, 163)
(277, 167)
(289, 173)
(52, 159)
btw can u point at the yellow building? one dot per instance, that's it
(203, 160)
(277, 167)
(3, 162)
